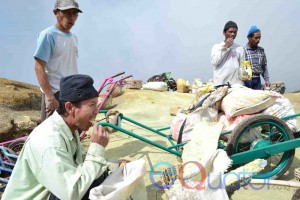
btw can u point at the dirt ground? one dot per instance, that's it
(153, 109)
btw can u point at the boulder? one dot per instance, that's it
(24, 123)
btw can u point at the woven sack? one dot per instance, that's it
(108, 103)
(183, 89)
(242, 101)
(116, 92)
(133, 84)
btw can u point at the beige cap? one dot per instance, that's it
(66, 4)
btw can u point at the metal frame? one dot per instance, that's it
(174, 148)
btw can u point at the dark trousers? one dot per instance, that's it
(96, 183)
(44, 114)
(254, 84)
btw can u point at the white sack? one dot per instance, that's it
(176, 125)
(198, 115)
(156, 86)
(211, 187)
(207, 111)
(203, 149)
(125, 182)
(282, 107)
(242, 100)
(204, 142)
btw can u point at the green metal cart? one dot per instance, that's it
(274, 141)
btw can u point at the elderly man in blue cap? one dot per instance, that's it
(257, 58)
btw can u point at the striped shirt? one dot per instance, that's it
(258, 61)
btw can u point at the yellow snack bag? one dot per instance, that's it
(181, 82)
(245, 71)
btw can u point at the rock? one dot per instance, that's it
(6, 126)
(24, 123)
(19, 108)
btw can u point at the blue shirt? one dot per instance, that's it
(60, 51)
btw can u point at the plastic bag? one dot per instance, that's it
(245, 71)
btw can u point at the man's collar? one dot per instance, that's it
(63, 125)
(249, 47)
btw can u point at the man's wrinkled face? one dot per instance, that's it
(66, 19)
(230, 33)
(255, 39)
(86, 113)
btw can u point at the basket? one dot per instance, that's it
(108, 103)
(116, 92)
(133, 84)
(183, 89)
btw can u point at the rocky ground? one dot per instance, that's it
(19, 108)
(19, 114)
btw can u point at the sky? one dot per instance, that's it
(149, 37)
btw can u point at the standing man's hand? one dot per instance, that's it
(51, 102)
(51, 105)
(268, 84)
(99, 135)
(228, 42)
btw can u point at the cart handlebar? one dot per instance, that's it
(125, 78)
(118, 74)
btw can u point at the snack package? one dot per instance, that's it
(245, 72)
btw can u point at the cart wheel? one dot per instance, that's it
(260, 131)
(282, 90)
(17, 146)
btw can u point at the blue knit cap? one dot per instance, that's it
(253, 29)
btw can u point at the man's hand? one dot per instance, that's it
(51, 102)
(51, 105)
(99, 135)
(268, 84)
(228, 42)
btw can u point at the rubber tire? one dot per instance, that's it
(14, 145)
(282, 90)
(243, 125)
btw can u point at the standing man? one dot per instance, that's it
(257, 58)
(56, 54)
(226, 57)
